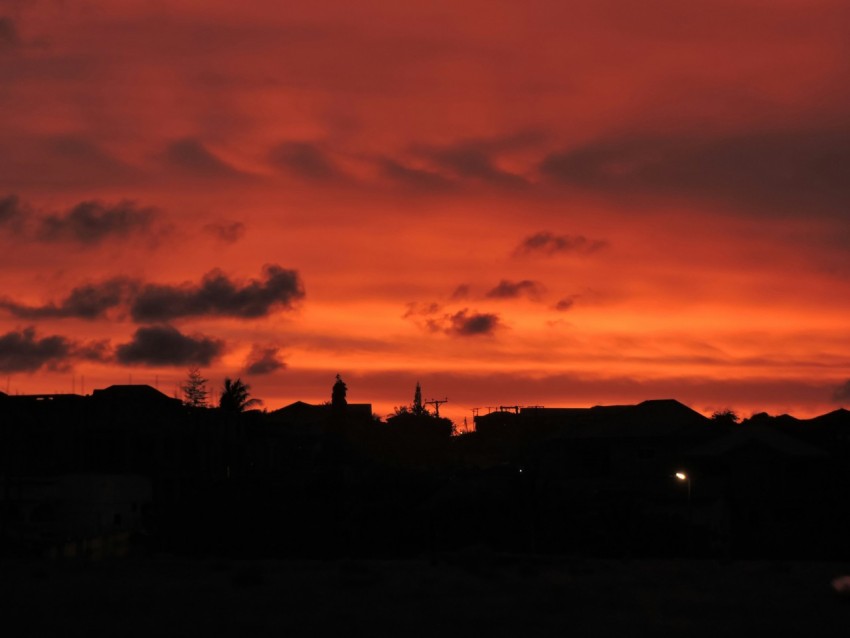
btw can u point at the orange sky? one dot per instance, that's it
(544, 203)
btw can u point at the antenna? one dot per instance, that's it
(436, 403)
(508, 408)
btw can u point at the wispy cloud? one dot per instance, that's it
(549, 244)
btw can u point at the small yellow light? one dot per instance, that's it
(681, 476)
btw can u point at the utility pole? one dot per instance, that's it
(436, 403)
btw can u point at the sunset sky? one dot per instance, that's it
(553, 202)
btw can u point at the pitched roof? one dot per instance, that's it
(664, 417)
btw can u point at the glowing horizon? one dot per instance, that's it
(566, 203)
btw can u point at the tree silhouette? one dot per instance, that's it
(418, 409)
(726, 417)
(195, 389)
(236, 396)
(417, 420)
(338, 392)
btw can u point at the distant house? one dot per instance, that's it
(308, 414)
(136, 396)
(626, 441)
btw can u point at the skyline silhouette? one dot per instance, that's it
(128, 470)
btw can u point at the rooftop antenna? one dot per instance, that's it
(436, 403)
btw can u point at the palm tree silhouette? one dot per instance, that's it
(236, 396)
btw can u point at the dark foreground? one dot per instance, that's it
(472, 593)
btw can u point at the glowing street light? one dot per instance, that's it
(682, 476)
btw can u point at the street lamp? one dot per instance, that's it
(682, 476)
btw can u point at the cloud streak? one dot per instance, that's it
(89, 301)
(12, 213)
(192, 158)
(227, 232)
(794, 172)
(306, 160)
(513, 289)
(841, 394)
(548, 244)
(8, 34)
(476, 160)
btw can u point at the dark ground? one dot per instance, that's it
(470, 593)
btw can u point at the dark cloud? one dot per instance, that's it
(22, 351)
(228, 232)
(92, 222)
(62, 161)
(8, 33)
(775, 171)
(166, 346)
(12, 212)
(478, 159)
(546, 243)
(190, 156)
(466, 324)
(513, 289)
(89, 301)
(415, 178)
(100, 351)
(87, 223)
(472, 161)
(842, 393)
(565, 304)
(461, 292)
(264, 360)
(421, 309)
(217, 295)
(306, 160)
(461, 323)
(87, 161)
